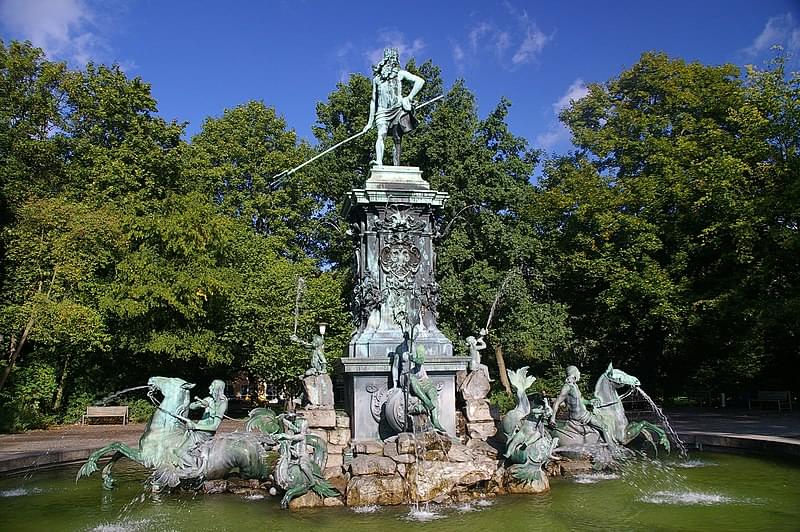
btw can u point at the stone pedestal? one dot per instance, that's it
(318, 390)
(474, 388)
(393, 225)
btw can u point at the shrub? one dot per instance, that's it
(139, 410)
(502, 400)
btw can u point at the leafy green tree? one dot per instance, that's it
(30, 112)
(60, 258)
(261, 316)
(237, 155)
(659, 216)
(116, 148)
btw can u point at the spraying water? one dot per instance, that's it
(103, 401)
(418, 461)
(301, 286)
(676, 440)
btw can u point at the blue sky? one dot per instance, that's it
(202, 57)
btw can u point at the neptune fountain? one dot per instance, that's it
(417, 425)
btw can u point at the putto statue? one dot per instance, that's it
(318, 363)
(390, 111)
(476, 345)
(316, 381)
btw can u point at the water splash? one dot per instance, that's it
(662, 417)
(20, 492)
(255, 497)
(691, 464)
(485, 502)
(423, 514)
(646, 474)
(594, 478)
(123, 526)
(687, 498)
(466, 507)
(369, 509)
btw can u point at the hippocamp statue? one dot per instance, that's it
(528, 445)
(606, 422)
(259, 452)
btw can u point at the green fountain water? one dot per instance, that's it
(712, 491)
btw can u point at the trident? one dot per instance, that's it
(278, 178)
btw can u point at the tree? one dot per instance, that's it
(31, 97)
(59, 256)
(237, 155)
(659, 222)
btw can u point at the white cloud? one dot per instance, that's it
(502, 42)
(794, 42)
(349, 54)
(534, 43)
(477, 32)
(394, 39)
(781, 30)
(558, 132)
(63, 28)
(344, 50)
(514, 44)
(458, 53)
(575, 92)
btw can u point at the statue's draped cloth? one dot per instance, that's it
(390, 110)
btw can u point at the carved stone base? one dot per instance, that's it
(319, 390)
(474, 386)
(324, 418)
(481, 430)
(478, 410)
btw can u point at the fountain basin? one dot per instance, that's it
(726, 491)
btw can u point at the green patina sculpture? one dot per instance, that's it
(421, 386)
(390, 111)
(214, 407)
(318, 362)
(179, 451)
(578, 411)
(602, 418)
(476, 345)
(529, 446)
(296, 471)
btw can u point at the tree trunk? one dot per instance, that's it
(61, 382)
(16, 350)
(501, 367)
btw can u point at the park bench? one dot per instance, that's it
(778, 397)
(106, 411)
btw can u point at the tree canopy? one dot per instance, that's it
(667, 241)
